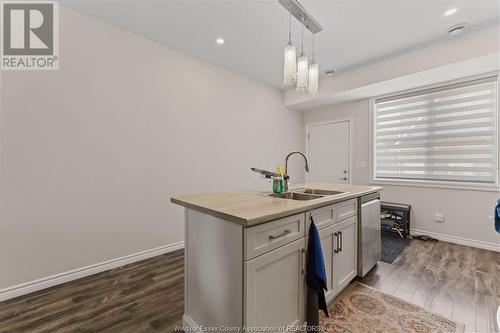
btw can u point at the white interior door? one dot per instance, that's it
(328, 152)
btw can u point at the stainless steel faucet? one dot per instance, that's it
(286, 176)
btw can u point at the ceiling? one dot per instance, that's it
(355, 32)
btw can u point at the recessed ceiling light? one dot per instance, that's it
(329, 72)
(456, 29)
(450, 11)
(220, 41)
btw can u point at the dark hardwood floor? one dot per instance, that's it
(147, 296)
(459, 282)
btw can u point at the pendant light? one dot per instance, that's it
(290, 61)
(303, 67)
(313, 75)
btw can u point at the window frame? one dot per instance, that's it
(427, 182)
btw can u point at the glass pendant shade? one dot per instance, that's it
(290, 65)
(313, 78)
(302, 73)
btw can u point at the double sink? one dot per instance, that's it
(305, 194)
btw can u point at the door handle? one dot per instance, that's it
(303, 259)
(341, 241)
(343, 178)
(284, 233)
(336, 234)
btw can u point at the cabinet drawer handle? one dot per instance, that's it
(284, 233)
(337, 239)
(303, 263)
(341, 241)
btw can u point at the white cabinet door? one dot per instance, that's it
(274, 287)
(328, 243)
(345, 260)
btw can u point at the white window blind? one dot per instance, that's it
(445, 134)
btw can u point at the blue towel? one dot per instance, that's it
(316, 272)
(497, 216)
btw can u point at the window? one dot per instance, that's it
(444, 135)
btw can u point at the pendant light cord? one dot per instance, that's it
(289, 27)
(302, 32)
(289, 22)
(313, 47)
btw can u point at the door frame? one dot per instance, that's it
(349, 122)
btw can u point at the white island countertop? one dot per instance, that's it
(253, 208)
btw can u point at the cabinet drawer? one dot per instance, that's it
(269, 236)
(347, 209)
(323, 217)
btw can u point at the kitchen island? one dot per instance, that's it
(245, 253)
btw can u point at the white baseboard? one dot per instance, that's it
(50, 281)
(458, 240)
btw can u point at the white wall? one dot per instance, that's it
(92, 153)
(468, 214)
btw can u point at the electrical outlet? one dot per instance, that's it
(439, 218)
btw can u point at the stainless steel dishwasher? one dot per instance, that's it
(369, 236)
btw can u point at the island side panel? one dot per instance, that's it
(214, 274)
